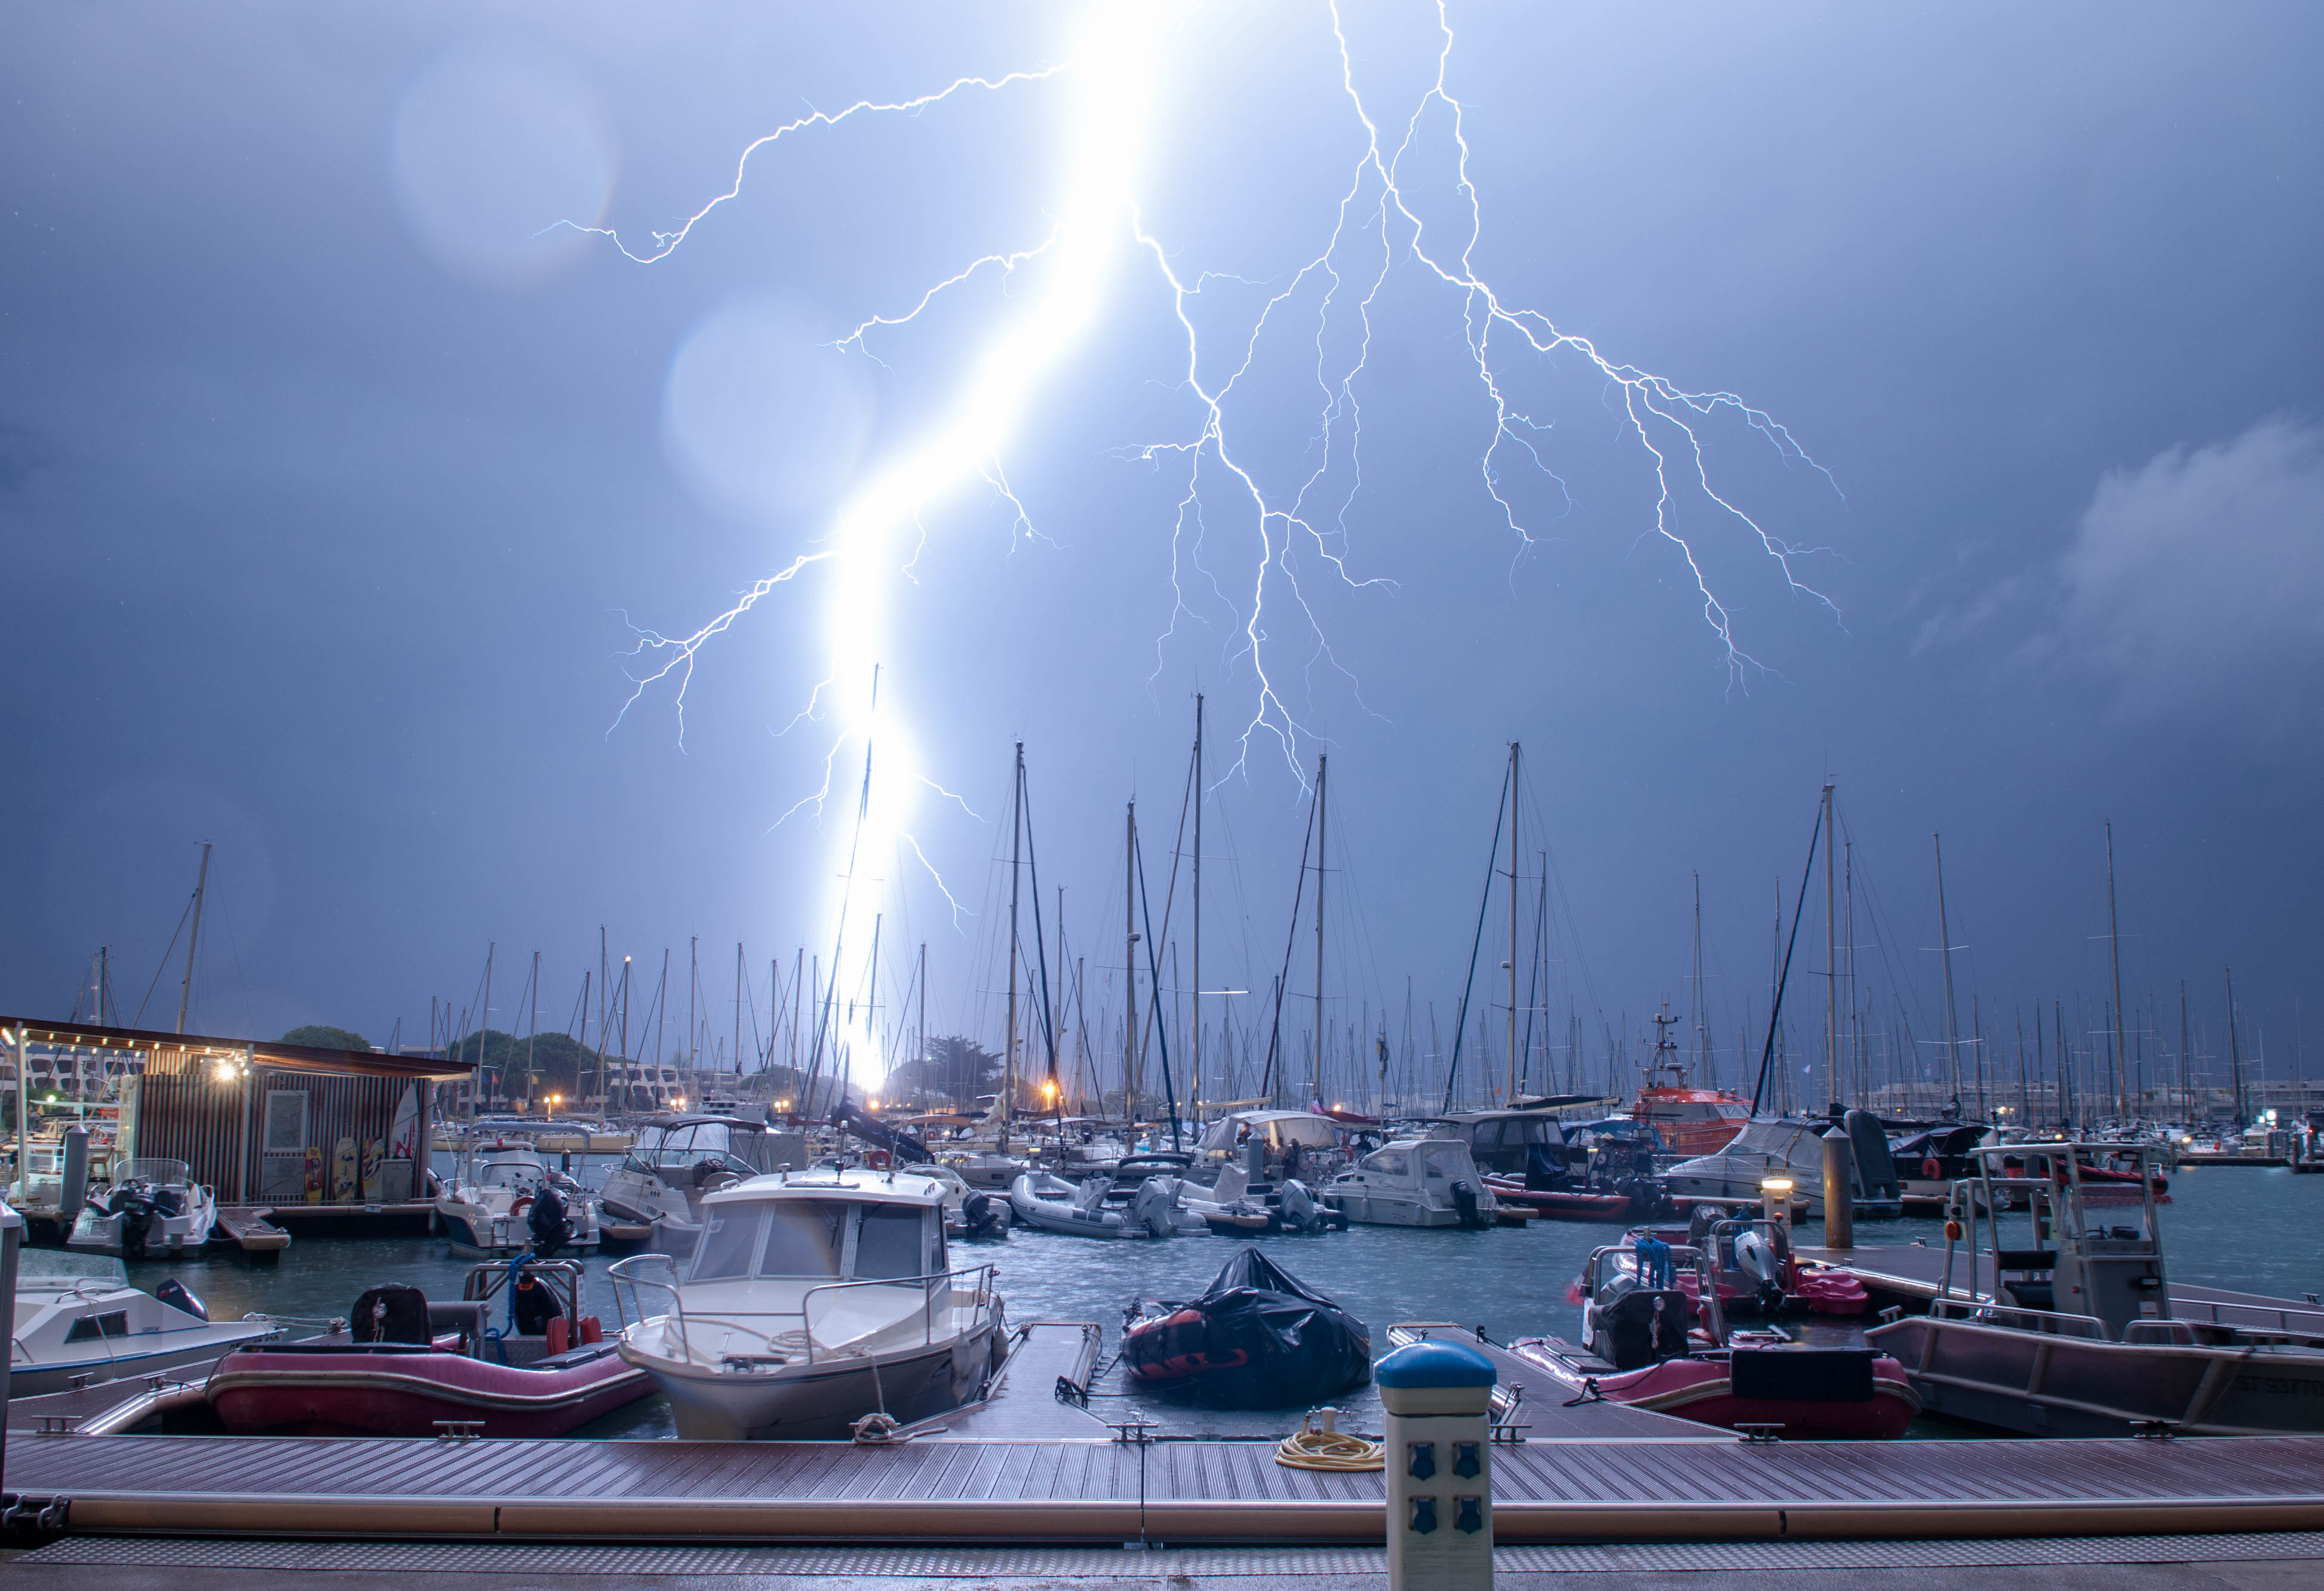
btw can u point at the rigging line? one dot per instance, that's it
(1040, 938)
(1461, 1024)
(1784, 978)
(830, 990)
(1298, 893)
(138, 1020)
(1154, 977)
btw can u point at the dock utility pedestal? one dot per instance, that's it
(1438, 1396)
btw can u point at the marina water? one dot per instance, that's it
(2249, 1229)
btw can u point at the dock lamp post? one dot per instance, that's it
(1775, 1198)
(1439, 1464)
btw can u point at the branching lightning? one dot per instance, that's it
(1096, 223)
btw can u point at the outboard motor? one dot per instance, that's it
(132, 1201)
(552, 1226)
(173, 1292)
(1151, 1207)
(1634, 1326)
(979, 1215)
(533, 1304)
(1464, 1202)
(390, 1313)
(1299, 1207)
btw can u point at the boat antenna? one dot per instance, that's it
(1783, 977)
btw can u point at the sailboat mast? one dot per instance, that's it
(1514, 769)
(921, 1053)
(185, 989)
(2235, 1048)
(1322, 816)
(1016, 859)
(693, 985)
(1195, 1082)
(2114, 943)
(1945, 944)
(738, 1007)
(1130, 965)
(1830, 967)
(1694, 993)
(532, 1026)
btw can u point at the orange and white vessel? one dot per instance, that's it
(1691, 1121)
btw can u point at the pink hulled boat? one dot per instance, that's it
(1564, 1204)
(1655, 1343)
(408, 1368)
(1835, 1394)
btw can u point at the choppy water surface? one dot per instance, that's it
(2254, 1230)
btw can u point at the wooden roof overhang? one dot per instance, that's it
(275, 1056)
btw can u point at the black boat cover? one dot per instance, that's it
(1256, 1339)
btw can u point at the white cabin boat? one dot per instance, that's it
(153, 1208)
(1413, 1182)
(1770, 1146)
(78, 1316)
(678, 1160)
(811, 1303)
(495, 1206)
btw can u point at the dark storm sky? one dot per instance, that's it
(326, 485)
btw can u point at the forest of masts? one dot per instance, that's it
(1319, 1025)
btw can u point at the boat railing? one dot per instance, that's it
(2253, 1316)
(1977, 1311)
(782, 1344)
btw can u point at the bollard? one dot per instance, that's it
(73, 1192)
(1439, 1466)
(1838, 1191)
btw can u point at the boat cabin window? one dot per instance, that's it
(729, 1235)
(1389, 1162)
(89, 1328)
(888, 1244)
(804, 1240)
(1442, 1162)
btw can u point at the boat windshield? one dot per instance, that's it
(1388, 1162)
(804, 1239)
(510, 1173)
(1774, 1138)
(1444, 1161)
(888, 1243)
(747, 1151)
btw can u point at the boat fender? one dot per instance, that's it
(1931, 1172)
(557, 1334)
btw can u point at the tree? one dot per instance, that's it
(326, 1038)
(958, 1067)
(558, 1063)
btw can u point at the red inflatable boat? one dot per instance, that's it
(405, 1390)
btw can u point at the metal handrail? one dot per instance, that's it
(2260, 1315)
(2052, 1322)
(622, 1274)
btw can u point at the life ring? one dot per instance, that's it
(877, 1159)
(519, 1206)
(1932, 1170)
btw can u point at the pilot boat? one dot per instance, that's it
(1691, 1121)
(815, 1306)
(77, 1316)
(1413, 1182)
(2074, 1333)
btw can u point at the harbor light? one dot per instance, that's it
(1774, 1187)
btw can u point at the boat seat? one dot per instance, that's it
(2026, 1259)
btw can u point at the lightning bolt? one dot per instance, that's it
(1096, 222)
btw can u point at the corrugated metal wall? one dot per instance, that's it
(184, 1113)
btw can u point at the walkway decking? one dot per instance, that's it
(966, 1489)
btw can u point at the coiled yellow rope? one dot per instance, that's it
(1309, 1448)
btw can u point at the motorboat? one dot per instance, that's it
(815, 1306)
(1235, 1206)
(152, 1207)
(1152, 1208)
(1428, 1181)
(1791, 1147)
(1652, 1343)
(988, 1169)
(1576, 1203)
(1292, 1143)
(1256, 1338)
(1690, 1120)
(77, 1316)
(509, 1202)
(2070, 1329)
(678, 1160)
(406, 1367)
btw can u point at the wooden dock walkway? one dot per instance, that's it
(246, 1227)
(960, 1488)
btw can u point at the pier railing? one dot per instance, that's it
(947, 1291)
